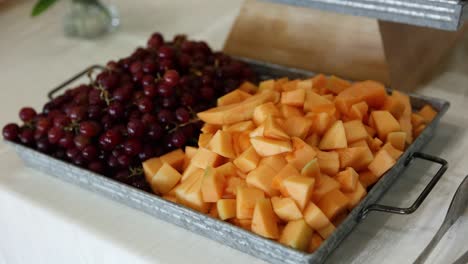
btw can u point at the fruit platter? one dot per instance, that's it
(279, 163)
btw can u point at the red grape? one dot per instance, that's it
(43, 124)
(165, 90)
(165, 116)
(132, 147)
(67, 141)
(55, 134)
(124, 161)
(89, 128)
(150, 90)
(90, 152)
(165, 52)
(178, 139)
(77, 113)
(26, 136)
(155, 41)
(81, 141)
(11, 132)
(116, 109)
(171, 78)
(135, 128)
(27, 114)
(182, 115)
(145, 105)
(97, 166)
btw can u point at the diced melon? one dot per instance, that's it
(320, 123)
(395, 153)
(248, 87)
(221, 144)
(263, 220)
(232, 185)
(289, 86)
(279, 83)
(355, 196)
(293, 98)
(301, 155)
(205, 157)
(286, 209)
(317, 103)
(315, 242)
(299, 189)
(417, 120)
(266, 85)
(394, 106)
(305, 84)
(428, 113)
(329, 162)
(326, 231)
(210, 128)
(170, 198)
(247, 161)
(243, 141)
(356, 157)
(226, 208)
(367, 178)
(315, 218)
(382, 162)
(261, 178)
(174, 158)
(359, 111)
(348, 179)
(288, 111)
(340, 218)
(213, 212)
(241, 126)
(213, 185)
(405, 119)
(374, 143)
(334, 138)
(246, 199)
(313, 140)
(269, 147)
(261, 112)
(191, 169)
(297, 126)
(319, 81)
(312, 169)
(333, 203)
(277, 162)
(397, 139)
(204, 139)
(419, 130)
(373, 93)
(189, 153)
(235, 96)
(296, 234)
(258, 132)
(242, 223)
(336, 85)
(287, 171)
(226, 170)
(354, 131)
(165, 179)
(150, 167)
(189, 193)
(385, 123)
(274, 130)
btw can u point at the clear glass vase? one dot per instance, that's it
(90, 19)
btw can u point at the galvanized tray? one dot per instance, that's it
(227, 233)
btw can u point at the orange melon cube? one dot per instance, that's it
(213, 212)
(226, 170)
(329, 162)
(258, 132)
(233, 97)
(315, 242)
(248, 160)
(385, 123)
(263, 111)
(333, 203)
(336, 85)
(394, 106)
(320, 123)
(289, 86)
(261, 178)
(286, 209)
(232, 185)
(356, 157)
(288, 111)
(297, 126)
(315, 218)
(277, 162)
(246, 200)
(417, 120)
(348, 179)
(305, 84)
(235, 142)
(241, 126)
(374, 143)
(296, 234)
(359, 143)
(312, 170)
(419, 130)
(397, 139)
(170, 198)
(373, 93)
(189, 153)
(264, 219)
(248, 87)
(317, 103)
(354, 131)
(293, 98)
(359, 111)
(299, 189)
(313, 140)
(191, 169)
(242, 223)
(210, 128)
(382, 162)
(340, 218)
(269, 147)
(226, 208)
(301, 155)
(395, 153)
(367, 178)
(273, 130)
(204, 140)
(370, 131)
(326, 231)
(287, 171)
(319, 81)
(279, 83)
(174, 158)
(405, 119)
(266, 85)
(243, 141)
(151, 167)
(205, 157)
(334, 138)
(212, 185)
(189, 193)
(355, 196)
(221, 144)
(428, 113)
(165, 179)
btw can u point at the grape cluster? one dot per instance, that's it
(139, 107)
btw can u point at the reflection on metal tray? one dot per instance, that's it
(227, 233)
(441, 14)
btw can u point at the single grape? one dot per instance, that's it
(165, 64)
(148, 119)
(123, 93)
(95, 112)
(145, 105)
(90, 128)
(112, 162)
(11, 132)
(122, 176)
(135, 128)
(207, 93)
(136, 66)
(112, 66)
(27, 114)
(138, 76)
(72, 153)
(150, 90)
(171, 78)
(147, 153)
(155, 131)
(147, 79)
(106, 121)
(55, 134)
(165, 90)
(43, 145)
(165, 52)
(110, 139)
(187, 100)
(97, 167)
(155, 41)
(169, 102)
(81, 141)
(79, 160)
(178, 139)
(61, 121)
(77, 113)
(116, 109)
(66, 141)
(26, 136)
(165, 116)
(43, 124)
(124, 161)
(90, 152)
(94, 97)
(149, 67)
(182, 115)
(132, 147)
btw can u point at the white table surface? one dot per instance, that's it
(44, 220)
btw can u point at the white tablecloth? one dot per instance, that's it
(44, 220)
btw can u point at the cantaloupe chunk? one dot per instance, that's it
(336, 85)
(269, 147)
(246, 199)
(191, 169)
(315, 218)
(293, 98)
(232, 185)
(204, 139)
(320, 123)
(359, 143)
(210, 128)
(382, 162)
(174, 158)
(241, 126)
(354, 131)
(248, 160)
(277, 162)
(299, 189)
(367, 178)
(287, 171)
(288, 111)
(317, 103)
(334, 138)
(189, 153)
(273, 130)
(340, 218)
(243, 141)
(290, 85)
(261, 178)
(258, 132)
(221, 144)
(394, 106)
(165, 179)
(266, 85)
(373, 93)
(213, 185)
(242, 223)
(170, 198)
(235, 142)
(264, 219)
(348, 179)
(296, 234)
(286, 209)
(419, 130)
(417, 120)
(326, 231)
(374, 143)
(395, 153)
(428, 113)
(301, 155)
(312, 169)
(385, 123)
(279, 83)
(150, 167)
(315, 242)
(263, 111)
(226, 208)
(359, 111)
(397, 139)
(355, 196)
(333, 203)
(213, 212)
(356, 157)
(226, 170)
(297, 126)
(405, 119)
(242, 111)
(329, 162)
(205, 157)
(370, 131)
(248, 87)
(313, 140)
(233, 97)
(305, 84)
(189, 192)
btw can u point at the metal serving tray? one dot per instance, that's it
(225, 232)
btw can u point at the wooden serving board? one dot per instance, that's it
(348, 46)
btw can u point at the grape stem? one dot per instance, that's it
(192, 121)
(135, 171)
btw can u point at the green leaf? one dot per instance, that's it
(41, 6)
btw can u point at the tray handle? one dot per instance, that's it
(409, 210)
(50, 95)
